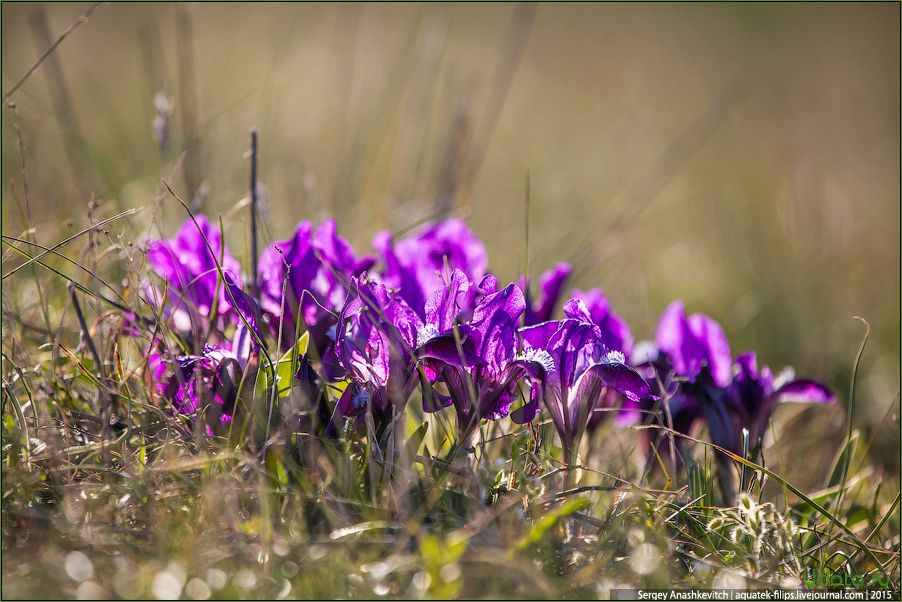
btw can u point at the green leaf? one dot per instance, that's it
(335, 389)
(142, 456)
(843, 458)
(276, 469)
(438, 551)
(285, 370)
(548, 521)
(412, 447)
(300, 348)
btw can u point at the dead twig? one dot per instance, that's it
(75, 25)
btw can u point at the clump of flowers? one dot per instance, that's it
(691, 358)
(425, 314)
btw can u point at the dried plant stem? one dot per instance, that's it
(75, 25)
(188, 103)
(86, 335)
(30, 232)
(254, 210)
(109, 400)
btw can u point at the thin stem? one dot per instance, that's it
(254, 209)
(86, 334)
(108, 397)
(79, 21)
(571, 448)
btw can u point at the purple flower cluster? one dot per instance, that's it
(424, 314)
(704, 383)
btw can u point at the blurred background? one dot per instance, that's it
(743, 158)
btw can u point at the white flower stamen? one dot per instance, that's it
(426, 334)
(540, 356)
(615, 357)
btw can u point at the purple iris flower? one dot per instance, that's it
(593, 307)
(695, 345)
(710, 387)
(206, 383)
(753, 396)
(478, 360)
(209, 382)
(415, 265)
(382, 343)
(551, 285)
(318, 265)
(189, 269)
(440, 341)
(374, 342)
(614, 329)
(581, 369)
